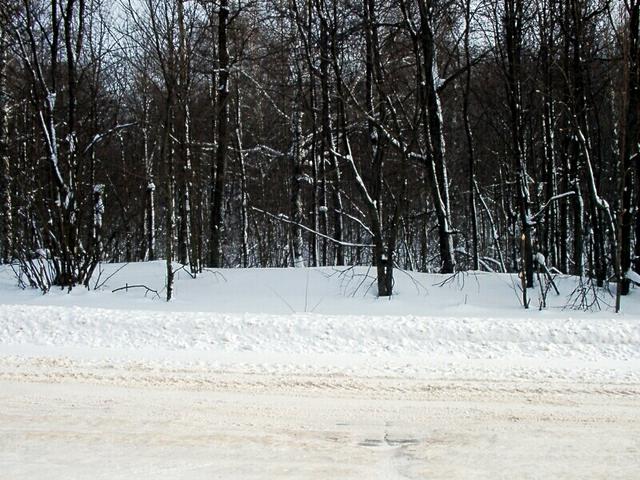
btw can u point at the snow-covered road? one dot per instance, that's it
(252, 426)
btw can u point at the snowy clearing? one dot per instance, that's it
(305, 374)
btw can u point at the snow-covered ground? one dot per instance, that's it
(304, 373)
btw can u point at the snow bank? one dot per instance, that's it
(402, 345)
(324, 320)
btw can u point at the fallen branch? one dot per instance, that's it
(100, 285)
(127, 287)
(184, 267)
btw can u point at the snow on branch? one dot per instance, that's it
(101, 136)
(632, 276)
(549, 202)
(358, 178)
(357, 220)
(265, 93)
(399, 145)
(264, 149)
(285, 219)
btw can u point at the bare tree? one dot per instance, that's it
(5, 160)
(432, 121)
(222, 138)
(630, 134)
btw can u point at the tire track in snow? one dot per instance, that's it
(149, 375)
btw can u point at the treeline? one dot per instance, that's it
(430, 135)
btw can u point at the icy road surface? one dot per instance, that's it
(67, 420)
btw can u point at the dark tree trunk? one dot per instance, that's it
(549, 224)
(5, 162)
(629, 153)
(433, 125)
(217, 209)
(473, 213)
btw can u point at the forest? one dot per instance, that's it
(422, 135)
